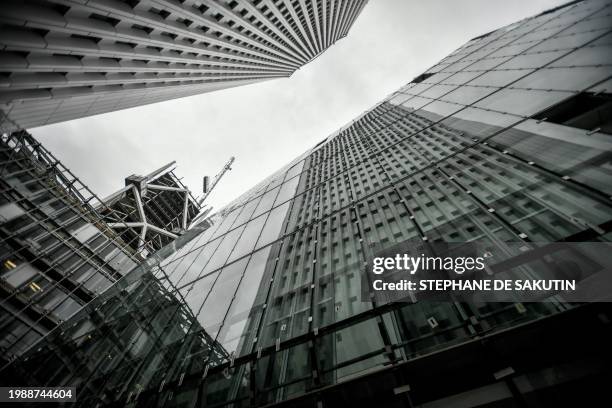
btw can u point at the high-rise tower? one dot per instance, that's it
(66, 59)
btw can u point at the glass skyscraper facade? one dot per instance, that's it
(506, 140)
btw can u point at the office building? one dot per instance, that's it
(67, 59)
(506, 140)
(61, 245)
(57, 252)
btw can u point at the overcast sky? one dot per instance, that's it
(266, 125)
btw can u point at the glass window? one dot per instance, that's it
(295, 170)
(488, 63)
(276, 180)
(178, 255)
(193, 264)
(221, 295)
(479, 117)
(83, 273)
(461, 78)
(564, 79)
(17, 276)
(437, 91)
(287, 190)
(53, 297)
(416, 102)
(591, 112)
(499, 78)
(563, 149)
(228, 221)
(438, 77)
(399, 98)
(221, 254)
(246, 307)
(413, 324)
(604, 40)
(266, 202)
(196, 293)
(249, 237)
(511, 49)
(591, 23)
(537, 204)
(247, 211)
(604, 86)
(418, 88)
(10, 211)
(274, 223)
(68, 307)
(531, 60)
(521, 101)
(36, 286)
(346, 346)
(84, 233)
(173, 269)
(97, 283)
(466, 94)
(97, 242)
(442, 108)
(458, 66)
(564, 41)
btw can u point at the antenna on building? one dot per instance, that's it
(207, 186)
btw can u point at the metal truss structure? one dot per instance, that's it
(151, 211)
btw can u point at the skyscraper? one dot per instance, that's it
(64, 59)
(505, 141)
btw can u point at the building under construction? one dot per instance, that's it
(151, 211)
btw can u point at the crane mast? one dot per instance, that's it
(206, 189)
(228, 166)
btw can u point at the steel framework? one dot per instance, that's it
(154, 209)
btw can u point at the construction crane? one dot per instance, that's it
(207, 187)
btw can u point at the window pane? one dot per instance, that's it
(521, 102)
(273, 226)
(247, 240)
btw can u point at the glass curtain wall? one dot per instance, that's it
(485, 146)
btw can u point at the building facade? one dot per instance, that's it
(57, 252)
(506, 140)
(66, 59)
(61, 245)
